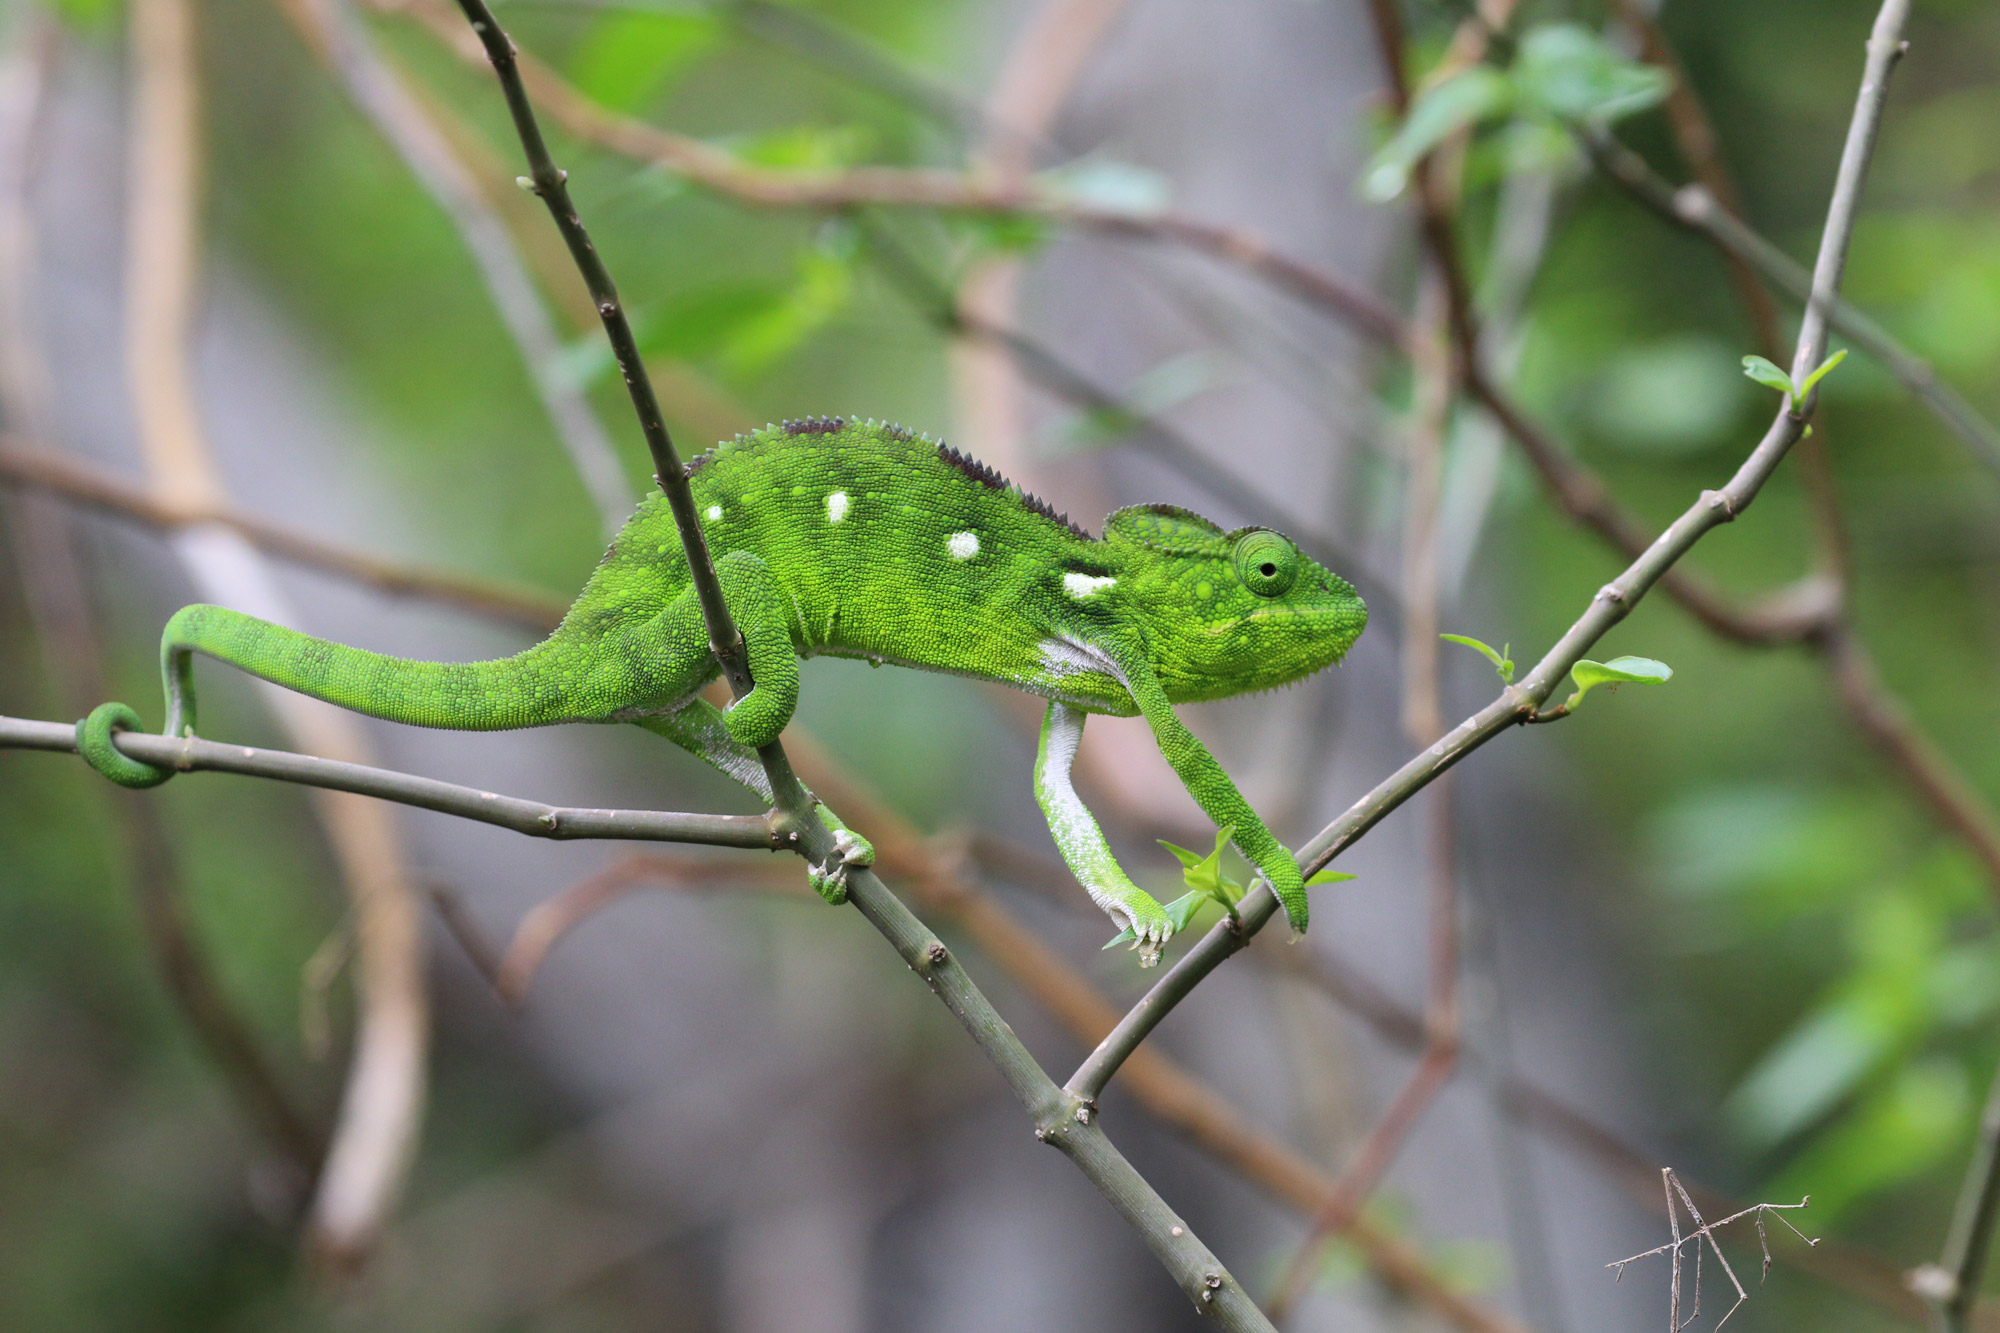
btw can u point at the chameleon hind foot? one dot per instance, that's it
(829, 878)
(93, 742)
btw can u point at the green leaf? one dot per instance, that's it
(1820, 374)
(1182, 909)
(1203, 874)
(1331, 877)
(1502, 663)
(1478, 94)
(1768, 375)
(1618, 671)
(1125, 936)
(824, 287)
(1569, 72)
(629, 57)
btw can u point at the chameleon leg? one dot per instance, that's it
(759, 608)
(701, 729)
(1081, 841)
(1215, 793)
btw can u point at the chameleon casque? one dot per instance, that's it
(858, 539)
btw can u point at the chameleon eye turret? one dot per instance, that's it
(1267, 563)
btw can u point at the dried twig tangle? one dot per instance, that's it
(1704, 1233)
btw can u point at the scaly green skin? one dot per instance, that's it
(863, 540)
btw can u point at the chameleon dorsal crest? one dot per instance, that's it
(1166, 528)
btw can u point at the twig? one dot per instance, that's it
(1059, 1119)
(1704, 1232)
(554, 917)
(335, 35)
(80, 483)
(1697, 208)
(1954, 1282)
(1611, 605)
(191, 754)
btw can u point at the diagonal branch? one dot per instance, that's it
(1059, 1119)
(1699, 209)
(1518, 703)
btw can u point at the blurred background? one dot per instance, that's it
(278, 329)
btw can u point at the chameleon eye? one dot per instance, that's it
(1267, 563)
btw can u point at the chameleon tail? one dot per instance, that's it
(529, 689)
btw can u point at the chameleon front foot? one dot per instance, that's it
(93, 742)
(1140, 913)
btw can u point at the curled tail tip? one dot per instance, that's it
(93, 742)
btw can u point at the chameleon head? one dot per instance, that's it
(1230, 612)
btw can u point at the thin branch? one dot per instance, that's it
(1611, 605)
(94, 488)
(1955, 1281)
(1697, 209)
(1059, 1119)
(766, 832)
(1704, 1234)
(334, 33)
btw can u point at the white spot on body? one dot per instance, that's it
(836, 506)
(962, 545)
(1081, 586)
(714, 512)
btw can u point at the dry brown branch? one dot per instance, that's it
(31, 467)
(56, 592)
(375, 1135)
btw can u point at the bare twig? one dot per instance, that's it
(1611, 605)
(1953, 1283)
(191, 754)
(1704, 1233)
(1698, 209)
(947, 191)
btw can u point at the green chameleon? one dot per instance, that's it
(862, 540)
